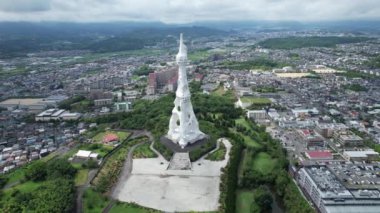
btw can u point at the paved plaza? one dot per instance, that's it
(151, 184)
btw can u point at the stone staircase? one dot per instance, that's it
(180, 161)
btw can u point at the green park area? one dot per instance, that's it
(94, 202)
(263, 163)
(312, 41)
(261, 63)
(243, 122)
(262, 173)
(40, 186)
(108, 174)
(219, 91)
(199, 55)
(248, 140)
(255, 100)
(243, 201)
(144, 151)
(219, 154)
(81, 177)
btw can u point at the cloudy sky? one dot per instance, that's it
(184, 11)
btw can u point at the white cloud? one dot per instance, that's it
(18, 6)
(180, 11)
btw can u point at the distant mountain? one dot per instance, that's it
(20, 38)
(337, 26)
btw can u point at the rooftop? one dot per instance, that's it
(327, 182)
(359, 154)
(357, 176)
(319, 154)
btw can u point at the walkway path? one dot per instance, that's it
(82, 189)
(127, 167)
(126, 170)
(125, 173)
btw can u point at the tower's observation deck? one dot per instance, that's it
(183, 125)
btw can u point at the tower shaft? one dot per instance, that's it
(183, 125)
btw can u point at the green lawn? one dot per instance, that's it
(130, 208)
(249, 141)
(16, 175)
(28, 186)
(219, 154)
(263, 163)
(260, 162)
(144, 151)
(219, 91)
(49, 157)
(94, 202)
(243, 122)
(243, 201)
(199, 55)
(255, 100)
(81, 177)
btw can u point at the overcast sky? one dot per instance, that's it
(184, 11)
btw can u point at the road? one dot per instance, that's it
(82, 189)
(126, 170)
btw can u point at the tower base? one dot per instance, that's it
(175, 147)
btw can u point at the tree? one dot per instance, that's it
(54, 196)
(281, 182)
(263, 198)
(91, 164)
(255, 208)
(11, 206)
(36, 171)
(3, 181)
(58, 168)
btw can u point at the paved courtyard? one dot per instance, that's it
(152, 185)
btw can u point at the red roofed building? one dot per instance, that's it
(152, 84)
(319, 155)
(110, 138)
(172, 83)
(162, 80)
(198, 77)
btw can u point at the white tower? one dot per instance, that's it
(183, 125)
